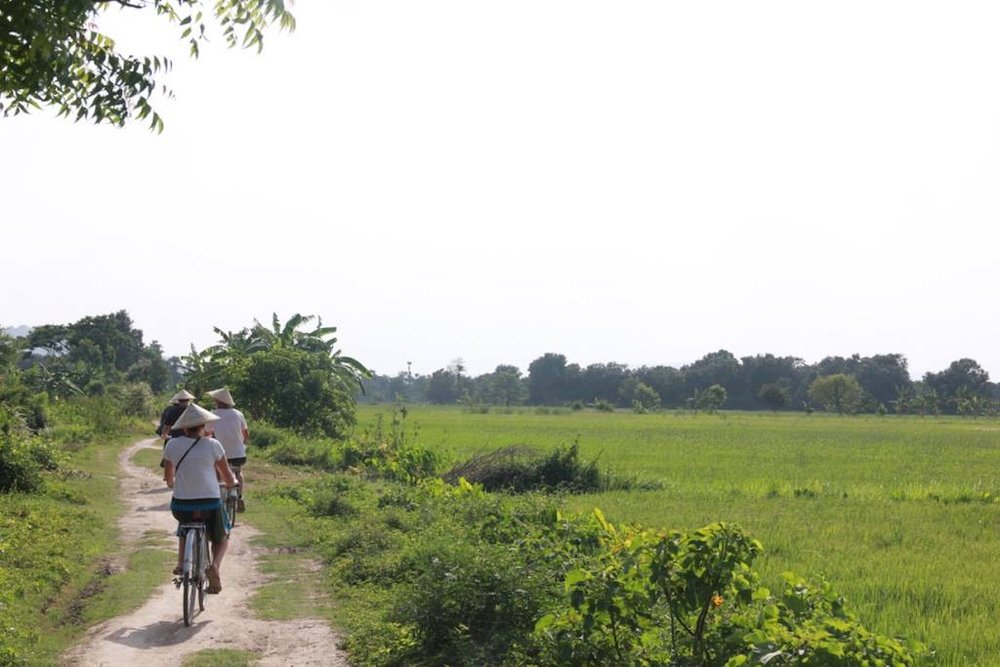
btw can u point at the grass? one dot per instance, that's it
(900, 514)
(296, 584)
(220, 658)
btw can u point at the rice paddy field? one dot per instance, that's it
(900, 515)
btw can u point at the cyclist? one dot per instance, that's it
(231, 430)
(194, 464)
(178, 404)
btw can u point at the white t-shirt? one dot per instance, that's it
(195, 478)
(229, 431)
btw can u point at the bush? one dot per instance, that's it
(386, 453)
(301, 452)
(331, 499)
(643, 597)
(470, 605)
(603, 406)
(33, 408)
(519, 469)
(264, 435)
(135, 399)
(295, 389)
(23, 456)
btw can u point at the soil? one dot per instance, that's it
(155, 634)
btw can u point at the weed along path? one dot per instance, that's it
(155, 633)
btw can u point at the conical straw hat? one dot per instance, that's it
(182, 395)
(223, 396)
(194, 415)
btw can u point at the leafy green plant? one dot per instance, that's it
(693, 598)
(135, 399)
(469, 604)
(23, 455)
(810, 624)
(387, 453)
(520, 469)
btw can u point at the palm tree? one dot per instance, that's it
(234, 346)
(200, 370)
(319, 340)
(904, 399)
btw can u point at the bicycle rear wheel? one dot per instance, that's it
(189, 595)
(231, 499)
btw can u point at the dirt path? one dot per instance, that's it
(155, 634)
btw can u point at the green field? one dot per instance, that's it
(901, 515)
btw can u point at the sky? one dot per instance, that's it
(641, 182)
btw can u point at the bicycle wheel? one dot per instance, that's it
(189, 595)
(231, 499)
(202, 564)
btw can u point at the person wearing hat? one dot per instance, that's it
(231, 430)
(178, 403)
(194, 464)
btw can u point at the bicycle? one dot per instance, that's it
(196, 561)
(238, 474)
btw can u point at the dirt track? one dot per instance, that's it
(155, 634)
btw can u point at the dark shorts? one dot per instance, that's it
(208, 510)
(238, 462)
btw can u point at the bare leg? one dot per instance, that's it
(218, 551)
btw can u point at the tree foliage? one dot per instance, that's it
(90, 355)
(296, 389)
(51, 53)
(285, 373)
(763, 381)
(838, 392)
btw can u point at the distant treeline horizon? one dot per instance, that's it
(758, 382)
(96, 352)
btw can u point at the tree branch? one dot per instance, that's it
(123, 3)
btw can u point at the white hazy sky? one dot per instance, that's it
(639, 182)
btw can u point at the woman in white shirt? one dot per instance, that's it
(231, 430)
(193, 465)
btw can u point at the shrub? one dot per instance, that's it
(23, 456)
(264, 435)
(520, 469)
(678, 598)
(331, 499)
(301, 452)
(33, 408)
(296, 389)
(387, 453)
(470, 605)
(135, 399)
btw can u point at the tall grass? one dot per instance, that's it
(902, 515)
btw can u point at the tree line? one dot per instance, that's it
(872, 384)
(289, 373)
(295, 376)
